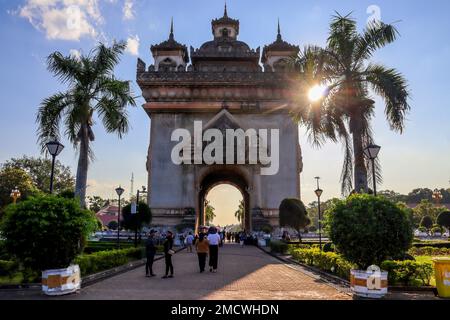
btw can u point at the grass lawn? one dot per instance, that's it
(428, 259)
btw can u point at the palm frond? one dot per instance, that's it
(106, 58)
(114, 116)
(393, 88)
(375, 36)
(67, 69)
(49, 117)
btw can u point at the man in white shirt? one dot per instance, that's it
(214, 240)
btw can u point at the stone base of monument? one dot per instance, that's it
(59, 282)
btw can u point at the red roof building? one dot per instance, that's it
(107, 214)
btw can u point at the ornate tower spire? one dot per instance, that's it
(279, 38)
(225, 12)
(171, 37)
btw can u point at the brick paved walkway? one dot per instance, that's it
(244, 273)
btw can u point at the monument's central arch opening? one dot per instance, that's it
(224, 175)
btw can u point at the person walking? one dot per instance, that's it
(242, 239)
(202, 247)
(168, 252)
(189, 242)
(150, 251)
(214, 241)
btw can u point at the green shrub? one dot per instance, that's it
(8, 268)
(46, 232)
(143, 216)
(367, 230)
(436, 229)
(399, 272)
(426, 222)
(293, 214)
(328, 247)
(104, 260)
(279, 246)
(408, 273)
(327, 261)
(444, 219)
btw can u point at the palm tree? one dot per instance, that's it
(210, 213)
(240, 212)
(345, 111)
(92, 88)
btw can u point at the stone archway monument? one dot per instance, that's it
(195, 105)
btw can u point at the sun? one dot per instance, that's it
(316, 93)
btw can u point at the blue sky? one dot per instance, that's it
(32, 29)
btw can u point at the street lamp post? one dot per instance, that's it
(137, 215)
(318, 193)
(15, 194)
(54, 148)
(371, 151)
(119, 192)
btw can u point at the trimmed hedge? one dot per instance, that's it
(428, 251)
(436, 244)
(279, 246)
(95, 246)
(406, 272)
(327, 261)
(104, 260)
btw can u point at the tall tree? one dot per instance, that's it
(240, 213)
(96, 203)
(92, 88)
(344, 73)
(10, 178)
(209, 212)
(39, 170)
(293, 214)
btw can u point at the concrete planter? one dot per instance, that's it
(370, 283)
(60, 282)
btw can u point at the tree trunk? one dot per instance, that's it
(82, 169)
(360, 170)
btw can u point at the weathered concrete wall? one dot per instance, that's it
(175, 186)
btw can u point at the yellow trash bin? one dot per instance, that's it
(442, 274)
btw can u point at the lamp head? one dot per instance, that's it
(318, 192)
(54, 148)
(120, 191)
(372, 150)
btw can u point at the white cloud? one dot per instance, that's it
(75, 53)
(128, 10)
(133, 43)
(63, 19)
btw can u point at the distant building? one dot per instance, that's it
(108, 214)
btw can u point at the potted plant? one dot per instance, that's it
(367, 230)
(45, 233)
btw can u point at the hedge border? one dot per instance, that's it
(90, 279)
(343, 282)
